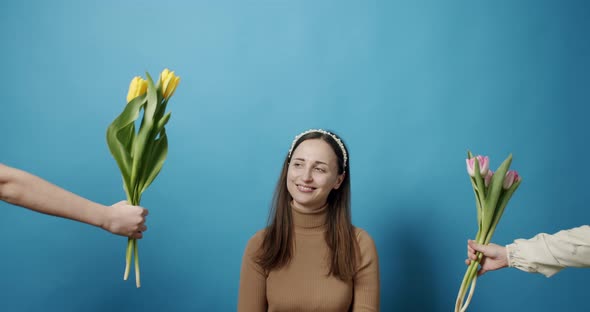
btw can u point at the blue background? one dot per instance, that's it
(409, 85)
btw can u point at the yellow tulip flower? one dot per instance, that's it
(168, 83)
(137, 87)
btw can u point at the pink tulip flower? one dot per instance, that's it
(484, 165)
(488, 177)
(511, 178)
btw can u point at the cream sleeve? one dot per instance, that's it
(548, 254)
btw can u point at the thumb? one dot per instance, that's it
(477, 247)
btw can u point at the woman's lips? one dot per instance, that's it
(305, 188)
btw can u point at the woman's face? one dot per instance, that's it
(312, 174)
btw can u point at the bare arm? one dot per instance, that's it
(26, 190)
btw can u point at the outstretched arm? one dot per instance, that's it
(26, 190)
(546, 254)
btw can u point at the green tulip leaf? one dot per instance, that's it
(495, 191)
(156, 159)
(118, 137)
(152, 99)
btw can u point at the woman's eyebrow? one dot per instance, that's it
(318, 162)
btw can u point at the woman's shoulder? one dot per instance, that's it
(255, 241)
(366, 243)
(362, 236)
(368, 259)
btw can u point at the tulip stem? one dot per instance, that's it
(468, 277)
(467, 282)
(471, 290)
(136, 252)
(128, 258)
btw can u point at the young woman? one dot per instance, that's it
(310, 257)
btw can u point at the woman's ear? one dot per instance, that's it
(339, 180)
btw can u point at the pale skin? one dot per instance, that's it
(23, 189)
(313, 174)
(494, 256)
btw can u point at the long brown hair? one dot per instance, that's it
(278, 244)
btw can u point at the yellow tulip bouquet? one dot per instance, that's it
(140, 155)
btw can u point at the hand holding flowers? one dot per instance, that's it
(496, 256)
(140, 155)
(492, 193)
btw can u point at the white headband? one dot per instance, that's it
(333, 136)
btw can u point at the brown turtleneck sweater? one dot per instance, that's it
(304, 284)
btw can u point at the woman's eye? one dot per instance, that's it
(297, 165)
(322, 170)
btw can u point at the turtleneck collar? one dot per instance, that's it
(310, 220)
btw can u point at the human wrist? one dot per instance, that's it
(508, 256)
(101, 217)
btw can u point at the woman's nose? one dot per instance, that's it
(307, 175)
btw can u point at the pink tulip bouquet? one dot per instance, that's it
(492, 192)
